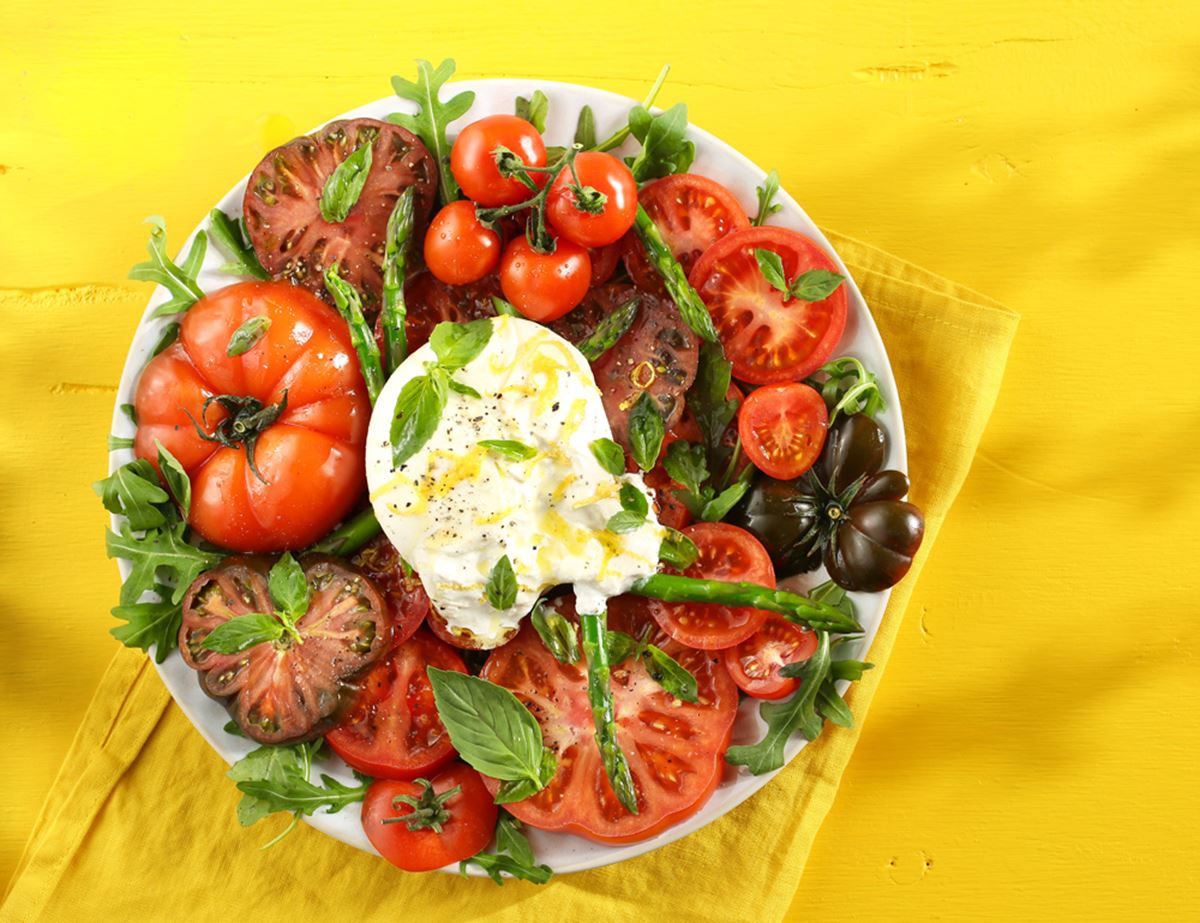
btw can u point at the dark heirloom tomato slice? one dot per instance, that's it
(285, 691)
(675, 749)
(668, 508)
(407, 601)
(726, 553)
(459, 637)
(692, 213)
(282, 204)
(393, 730)
(767, 340)
(430, 302)
(755, 663)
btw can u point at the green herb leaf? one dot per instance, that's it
(677, 550)
(274, 779)
(633, 500)
(513, 855)
(585, 129)
(557, 633)
(509, 448)
(619, 645)
(767, 206)
(488, 725)
(130, 412)
(177, 479)
(289, 587)
(231, 727)
(457, 344)
(609, 330)
(418, 413)
(646, 432)
(685, 464)
(849, 669)
(459, 388)
(534, 110)
(504, 307)
(815, 285)
(770, 264)
(833, 707)
(246, 337)
(618, 136)
(242, 633)
(718, 508)
(625, 521)
(610, 455)
(133, 491)
(230, 236)
(158, 550)
(150, 624)
(501, 589)
(116, 443)
(665, 148)
(847, 388)
(169, 335)
(346, 182)
(669, 674)
(179, 280)
(433, 116)
(519, 789)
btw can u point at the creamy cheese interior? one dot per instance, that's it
(455, 507)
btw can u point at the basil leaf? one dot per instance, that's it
(130, 412)
(849, 669)
(770, 264)
(767, 206)
(677, 550)
(177, 479)
(509, 448)
(459, 388)
(230, 235)
(609, 331)
(488, 725)
(633, 500)
(289, 587)
(646, 432)
(231, 727)
(433, 116)
(519, 789)
(134, 491)
(242, 633)
(668, 673)
(179, 280)
(619, 645)
(150, 623)
(504, 307)
(534, 110)
(346, 182)
(625, 521)
(246, 337)
(685, 464)
(718, 508)
(665, 148)
(610, 455)
(457, 344)
(501, 589)
(510, 839)
(160, 549)
(585, 129)
(557, 633)
(418, 413)
(815, 285)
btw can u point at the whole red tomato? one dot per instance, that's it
(599, 208)
(458, 248)
(473, 161)
(545, 286)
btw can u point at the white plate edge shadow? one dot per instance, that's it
(715, 158)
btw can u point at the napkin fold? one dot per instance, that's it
(139, 823)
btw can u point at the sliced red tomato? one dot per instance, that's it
(467, 819)
(283, 213)
(755, 663)
(692, 213)
(393, 730)
(782, 428)
(675, 748)
(407, 601)
(430, 302)
(726, 553)
(668, 508)
(767, 339)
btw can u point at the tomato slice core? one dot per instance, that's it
(782, 428)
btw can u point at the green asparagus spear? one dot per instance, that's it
(395, 257)
(694, 313)
(349, 305)
(616, 766)
(350, 535)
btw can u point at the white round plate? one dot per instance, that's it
(715, 159)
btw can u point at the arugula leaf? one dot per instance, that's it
(274, 779)
(767, 206)
(246, 337)
(509, 448)
(133, 491)
(585, 129)
(610, 455)
(685, 464)
(433, 116)
(833, 707)
(418, 412)
(670, 674)
(849, 669)
(150, 623)
(489, 727)
(618, 136)
(345, 184)
(665, 149)
(177, 479)
(457, 344)
(130, 412)
(289, 587)
(229, 234)
(501, 589)
(513, 855)
(677, 550)
(162, 549)
(646, 431)
(169, 335)
(557, 633)
(719, 506)
(847, 387)
(243, 632)
(179, 280)
(813, 285)
(116, 443)
(534, 110)
(609, 330)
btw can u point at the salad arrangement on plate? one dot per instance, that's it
(484, 475)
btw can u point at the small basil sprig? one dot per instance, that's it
(813, 285)
(665, 147)
(534, 109)
(492, 730)
(609, 330)
(767, 206)
(229, 234)
(345, 184)
(558, 634)
(290, 594)
(634, 510)
(177, 278)
(246, 337)
(509, 448)
(501, 587)
(677, 550)
(646, 432)
(610, 455)
(685, 463)
(433, 116)
(847, 388)
(513, 855)
(662, 667)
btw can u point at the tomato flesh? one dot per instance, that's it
(782, 428)
(431, 301)
(755, 663)
(407, 601)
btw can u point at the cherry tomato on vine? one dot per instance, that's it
(576, 211)
(458, 247)
(545, 286)
(755, 663)
(782, 428)
(474, 165)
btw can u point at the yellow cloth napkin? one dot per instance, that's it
(139, 824)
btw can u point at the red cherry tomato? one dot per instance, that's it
(545, 286)
(726, 553)
(782, 428)
(601, 223)
(393, 730)
(474, 165)
(458, 248)
(766, 339)
(467, 820)
(755, 663)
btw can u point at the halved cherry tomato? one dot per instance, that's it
(755, 663)
(675, 748)
(545, 286)
(467, 820)
(726, 553)
(782, 428)
(692, 213)
(430, 302)
(282, 204)
(458, 248)
(458, 637)
(603, 223)
(405, 596)
(473, 162)
(393, 730)
(766, 339)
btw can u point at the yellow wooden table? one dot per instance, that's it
(1033, 751)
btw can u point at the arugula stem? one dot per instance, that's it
(693, 310)
(592, 630)
(615, 139)
(349, 536)
(395, 256)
